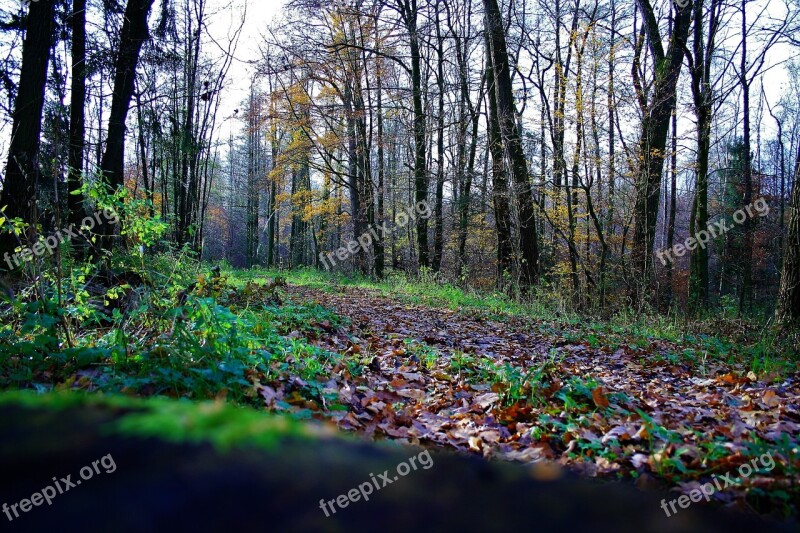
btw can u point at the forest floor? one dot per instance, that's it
(695, 408)
(514, 387)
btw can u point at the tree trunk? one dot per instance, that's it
(746, 261)
(409, 11)
(438, 234)
(609, 224)
(702, 52)
(653, 140)
(77, 115)
(253, 178)
(187, 180)
(673, 208)
(466, 183)
(20, 185)
(133, 35)
(506, 115)
(788, 310)
(500, 195)
(379, 246)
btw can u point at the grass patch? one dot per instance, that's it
(748, 345)
(210, 341)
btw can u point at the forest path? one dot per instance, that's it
(521, 389)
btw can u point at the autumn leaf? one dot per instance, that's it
(599, 397)
(771, 398)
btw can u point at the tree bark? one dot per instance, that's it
(20, 185)
(133, 35)
(529, 268)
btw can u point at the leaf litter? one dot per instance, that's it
(517, 389)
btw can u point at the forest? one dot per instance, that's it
(549, 250)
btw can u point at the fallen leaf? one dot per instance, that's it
(416, 394)
(771, 398)
(638, 460)
(475, 444)
(599, 397)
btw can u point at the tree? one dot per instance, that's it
(465, 158)
(788, 309)
(745, 289)
(500, 194)
(409, 11)
(749, 70)
(132, 36)
(512, 143)
(438, 232)
(657, 111)
(77, 113)
(20, 186)
(700, 61)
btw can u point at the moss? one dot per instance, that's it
(218, 423)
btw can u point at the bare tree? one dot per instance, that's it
(512, 144)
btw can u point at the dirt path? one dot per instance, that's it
(518, 389)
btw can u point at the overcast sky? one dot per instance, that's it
(258, 16)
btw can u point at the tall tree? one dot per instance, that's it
(673, 206)
(409, 12)
(438, 233)
(745, 289)
(77, 113)
(700, 61)
(748, 70)
(465, 156)
(133, 35)
(788, 310)
(379, 244)
(20, 186)
(507, 117)
(500, 195)
(657, 112)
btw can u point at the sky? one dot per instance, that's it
(259, 13)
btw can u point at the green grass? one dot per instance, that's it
(753, 346)
(418, 291)
(217, 342)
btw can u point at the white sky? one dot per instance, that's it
(258, 16)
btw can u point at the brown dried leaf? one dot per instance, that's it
(599, 397)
